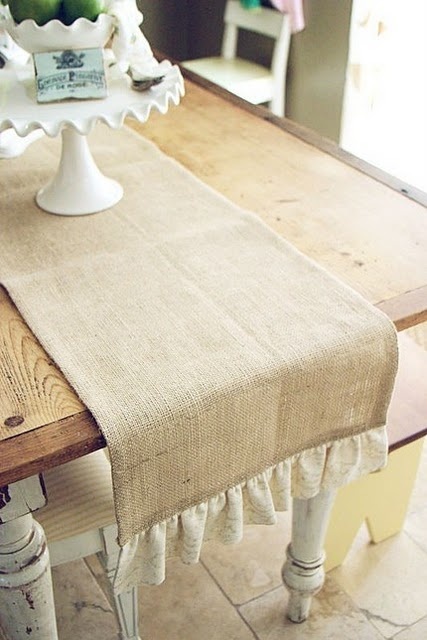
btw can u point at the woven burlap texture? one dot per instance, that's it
(207, 348)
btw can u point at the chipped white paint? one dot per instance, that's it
(26, 598)
(20, 498)
(303, 573)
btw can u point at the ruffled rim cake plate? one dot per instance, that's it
(19, 108)
(79, 187)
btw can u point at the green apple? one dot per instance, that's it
(41, 11)
(73, 9)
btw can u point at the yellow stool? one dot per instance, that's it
(381, 499)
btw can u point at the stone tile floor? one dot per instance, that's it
(235, 593)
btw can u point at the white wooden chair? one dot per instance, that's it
(252, 82)
(79, 521)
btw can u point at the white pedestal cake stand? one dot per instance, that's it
(79, 187)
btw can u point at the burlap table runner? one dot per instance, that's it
(206, 347)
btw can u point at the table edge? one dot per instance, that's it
(77, 435)
(34, 451)
(310, 137)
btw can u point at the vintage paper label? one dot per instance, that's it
(77, 74)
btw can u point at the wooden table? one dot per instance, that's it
(349, 217)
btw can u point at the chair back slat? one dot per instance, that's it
(257, 83)
(265, 21)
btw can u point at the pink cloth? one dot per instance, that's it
(295, 10)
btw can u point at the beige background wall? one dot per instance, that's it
(318, 66)
(192, 28)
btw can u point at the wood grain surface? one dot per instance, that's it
(408, 309)
(361, 230)
(33, 392)
(364, 232)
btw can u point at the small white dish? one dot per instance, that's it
(56, 36)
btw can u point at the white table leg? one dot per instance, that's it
(303, 573)
(26, 599)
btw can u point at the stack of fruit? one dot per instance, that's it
(42, 11)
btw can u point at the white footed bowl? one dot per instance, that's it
(56, 36)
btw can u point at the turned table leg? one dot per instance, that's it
(303, 573)
(26, 598)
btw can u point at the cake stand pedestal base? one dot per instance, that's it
(78, 188)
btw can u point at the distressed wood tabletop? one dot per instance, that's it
(349, 217)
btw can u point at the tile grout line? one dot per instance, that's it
(396, 636)
(280, 587)
(417, 544)
(242, 604)
(235, 606)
